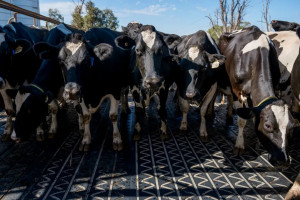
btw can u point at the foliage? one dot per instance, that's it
(54, 14)
(94, 17)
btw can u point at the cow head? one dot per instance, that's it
(132, 29)
(274, 123)
(196, 62)
(151, 51)
(283, 25)
(11, 51)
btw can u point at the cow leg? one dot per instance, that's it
(185, 109)
(294, 192)
(139, 113)
(86, 140)
(210, 111)
(162, 111)
(53, 108)
(9, 111)
(80, 117)
(229, 95)
(124, 101)
(113, 115)
(239, 143)
(40, 133)
(207, 99)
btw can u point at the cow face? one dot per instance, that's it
(132, 29)
(194, 65)
(274, 123)
(11, 52)
(283, 25)
(75, 62)
(150, 54)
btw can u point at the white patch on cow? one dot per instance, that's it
(87, 133)
(238, 31)
(261, 42)
(193, 53)
(8, 104)
(19, 100)
(281, 114)
(244, 100)
(73, 47)
(134, 22)
(2, 38)
(239, 143)
(148, 37)
(13, 136)
(289, 43)
(163, 127)
(206, 101)
(185, 106)
(192, 72)
(93, 110)
(63, 29)
(113, 111)
(138, 127)
(212, 42)
(215, 64)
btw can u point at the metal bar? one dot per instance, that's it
(17, 9)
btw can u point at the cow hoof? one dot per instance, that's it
(84, 147)
(40, 137)
(5, 138)
(136, 136)
(51, 135)
(238, 151)
(182, 132)
(164, 136)
(118, 146)
(204, 139)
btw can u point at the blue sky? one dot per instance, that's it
(177, 16)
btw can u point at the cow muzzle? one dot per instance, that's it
(190, 95)
(151, 81)
(71, 91)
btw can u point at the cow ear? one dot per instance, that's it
(245, 113)
(172, 40)
(124, 42)
(12, 93)
(124, 29)
(103, 51)
(215, 60)
(22, 46)
(45, 50)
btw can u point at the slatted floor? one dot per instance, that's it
(180, 168)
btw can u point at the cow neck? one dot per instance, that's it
(261, 105)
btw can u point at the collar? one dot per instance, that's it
(264, 103)
(37, 87)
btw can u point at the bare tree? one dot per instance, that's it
(80, 4)
(266, 15)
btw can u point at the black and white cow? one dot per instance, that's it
(43, 91)
(252, 66)
(18, 64)
(154, 71)
(287, 45)
(278, 25)
(96, 67)
(200, 62)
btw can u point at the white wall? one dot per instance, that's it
(32, 5)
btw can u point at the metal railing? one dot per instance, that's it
(18, 10)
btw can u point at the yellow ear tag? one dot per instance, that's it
(18, 49)
(126, 44)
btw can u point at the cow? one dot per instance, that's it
(200, 67)
(287, 46)
(284, 25)
(96, 68)
(18, 64)
(41, 95)
(154, 71)
(252, 67)
(132, 29)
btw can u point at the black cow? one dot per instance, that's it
(43, 91)
(252, 66)
(18, 64)
(132, 29)
(284, 25)
(154, 71)
(96, 67)
(200, 62)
